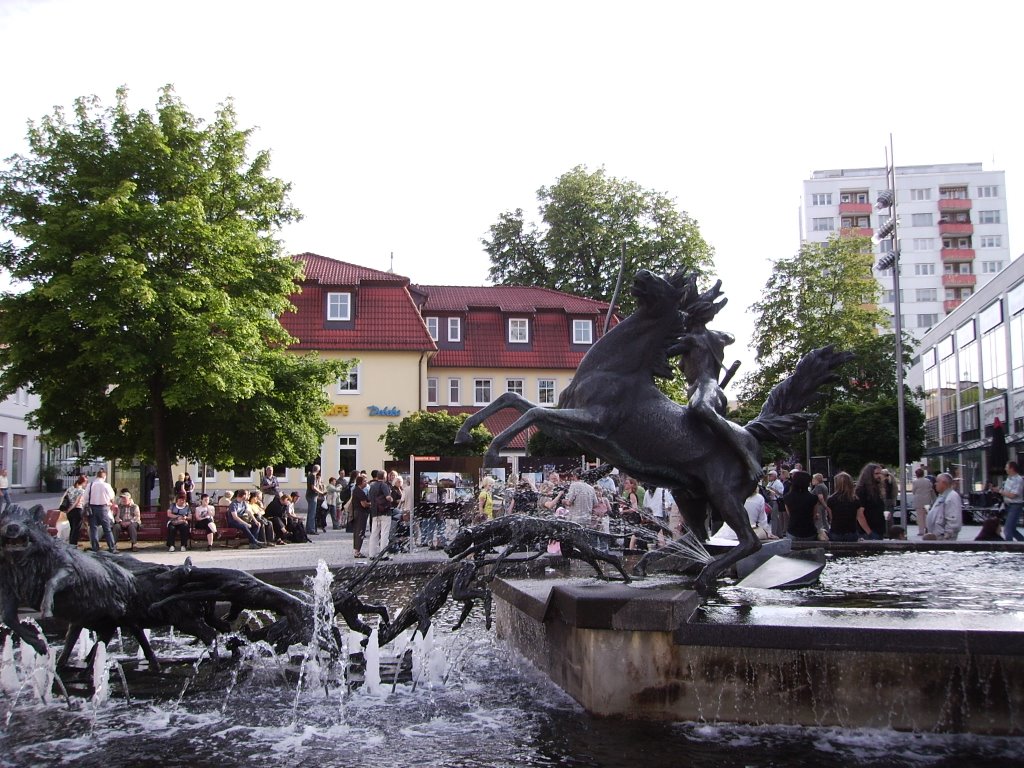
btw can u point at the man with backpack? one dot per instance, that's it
(381, 502)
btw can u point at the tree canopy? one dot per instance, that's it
(854, 433)
(432, 433)
(146, 243)
(827, 294)
(587, 218)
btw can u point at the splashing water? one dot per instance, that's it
(371, 654)
(100, 676)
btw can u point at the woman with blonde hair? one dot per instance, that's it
(485, 501)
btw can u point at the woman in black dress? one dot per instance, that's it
(871, 514)
(844, 505)
(800, 504)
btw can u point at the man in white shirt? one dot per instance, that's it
(660, 505)
(1013, 497)
(100, 496)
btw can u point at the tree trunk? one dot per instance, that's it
(160, 451)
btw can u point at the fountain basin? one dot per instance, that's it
(655, 653)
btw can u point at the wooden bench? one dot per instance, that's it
(154, 526)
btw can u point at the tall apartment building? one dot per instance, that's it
(953, 230)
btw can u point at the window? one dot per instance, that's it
(339, 306)
(924, 243)
(989, 217)
(197, 471)
(927, 321)
(431, 390)
(515, 386)
(925, 294)
(432, 327)
(961, 268)
(546, 391)
(17, 460)
(921, 220)
(348, 454)
(991, 316)
(454, 329)
(518, 330)
(920, 194)
(989, 191)
(991, 267)
(481, 391)
(924, 269)
(454, 391)
(991, 241)
(241, 475)
(821, 198)
(823, 225)
(855, 221)
(582, 331)
(862, 197)
(885, 246)
(889, 296)
(953, 193)
(349, 384)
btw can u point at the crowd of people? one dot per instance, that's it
(378, 509)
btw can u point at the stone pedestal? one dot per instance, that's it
(651, 654)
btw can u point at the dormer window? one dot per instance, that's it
(582, 331)
(518, 330)
(432, 327)
(339, 306)
(454, 329)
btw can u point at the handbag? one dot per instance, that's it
(65, 503)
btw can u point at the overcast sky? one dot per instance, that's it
(407, 127)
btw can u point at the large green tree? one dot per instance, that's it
(432, 433)
(854, 433)
(149, 283)
(587, 219)
(825, 294)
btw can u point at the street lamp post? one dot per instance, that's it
(890, 231)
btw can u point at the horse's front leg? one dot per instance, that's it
(731, 509)
(567, 423)
(500, 403)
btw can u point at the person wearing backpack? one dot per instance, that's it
(381, 502)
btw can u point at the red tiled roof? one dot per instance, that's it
(506, 298)
(320, 269)
(385, 317)
(495, 423)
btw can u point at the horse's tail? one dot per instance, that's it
(783, 412)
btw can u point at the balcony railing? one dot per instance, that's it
(950, 304)
(959, 281)
(859, 208)
(957, 254)
(950, 228)
(954, 204)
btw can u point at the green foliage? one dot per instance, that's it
(432, 433)
(587, 219)
(149, 325)
(825, 294)
(854, 433)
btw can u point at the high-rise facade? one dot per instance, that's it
(953, 231)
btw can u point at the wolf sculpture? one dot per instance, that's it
(100, 592)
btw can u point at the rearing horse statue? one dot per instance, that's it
(613, 409)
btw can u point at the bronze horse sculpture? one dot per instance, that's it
(614, 410)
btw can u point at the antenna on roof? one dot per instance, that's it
(391, 269)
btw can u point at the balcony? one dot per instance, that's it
(950, 304)
(860, 208)
(956, 229)
(954, 204)
(959, 281)
(958, 254)
(856, 232)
